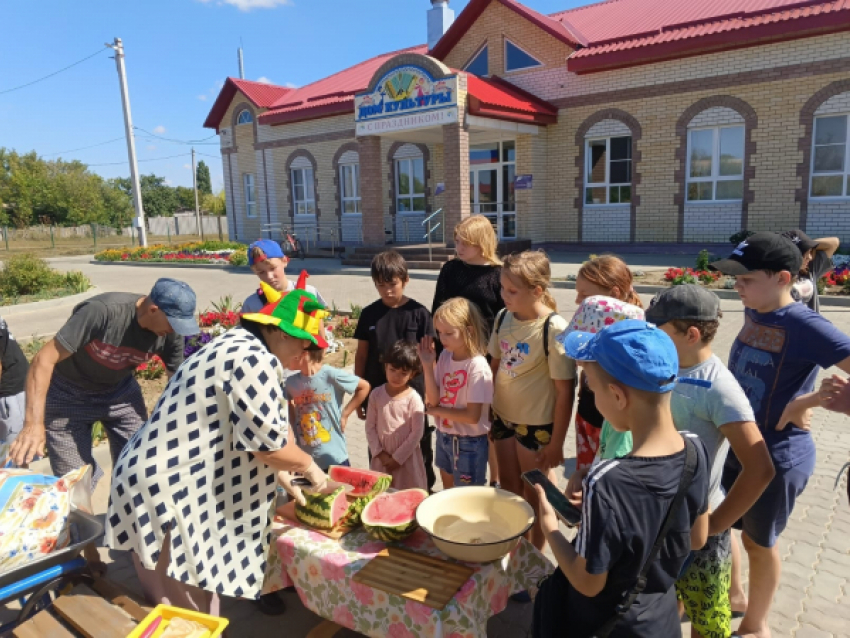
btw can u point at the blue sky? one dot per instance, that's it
(178, 54)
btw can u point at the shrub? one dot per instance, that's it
(740, 236)
(77, 281)
(151, 370)
(344, 328)
(27, 274)
(239, 258)
(679, 276)
(356, 310)
(703, 260)
(109, 254)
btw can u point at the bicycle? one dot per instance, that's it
(291, 244)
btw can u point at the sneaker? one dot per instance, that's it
(496, 484)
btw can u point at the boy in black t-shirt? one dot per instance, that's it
(631, 368)
(394, 317)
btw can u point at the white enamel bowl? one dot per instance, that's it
(475, 524)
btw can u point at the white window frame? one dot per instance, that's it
(240, 120)
(350, 197)
(845, 174)
(482, 48)
(305, 205)
(607, 183)
(411, 195)
(249, 186)
(715, 164)
(522, 68)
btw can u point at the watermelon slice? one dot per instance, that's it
(391, 517)
(322, 510)
(365, 482)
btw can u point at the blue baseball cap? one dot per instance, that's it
(177, 300)
(271, 249)
(634, 352)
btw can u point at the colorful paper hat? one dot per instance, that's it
(298, 314)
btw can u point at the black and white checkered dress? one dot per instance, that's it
(190, 468)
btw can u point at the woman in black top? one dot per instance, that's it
(474, 275)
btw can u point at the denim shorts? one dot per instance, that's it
(464, 457)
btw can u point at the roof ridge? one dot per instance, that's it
(586, 6)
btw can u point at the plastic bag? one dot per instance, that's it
(34, 511)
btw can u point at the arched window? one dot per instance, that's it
(245, 117)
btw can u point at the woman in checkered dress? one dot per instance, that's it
(193, 489)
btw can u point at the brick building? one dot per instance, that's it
(623, 121)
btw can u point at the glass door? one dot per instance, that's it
(491, 185)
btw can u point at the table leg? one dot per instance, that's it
(326, 629)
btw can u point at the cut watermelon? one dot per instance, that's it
(322, 511)
(365, 482)
(391, 517)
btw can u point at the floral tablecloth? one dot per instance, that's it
(321, 570)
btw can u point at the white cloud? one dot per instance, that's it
(189, 166)
(202, 98)
(151, 147)
(290, 85)
(168, 182)
(159, 130)
(248, 5)
(264, 80)
(213, 92)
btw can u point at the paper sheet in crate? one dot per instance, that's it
(34, 512)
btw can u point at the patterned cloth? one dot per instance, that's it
(321, 571)
(70, 413)
(190, 469)
(704, 587)
(587, 443)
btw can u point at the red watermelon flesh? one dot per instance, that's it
(392, 516)
(365, 482)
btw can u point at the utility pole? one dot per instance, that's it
(136, 188)
(195, 186)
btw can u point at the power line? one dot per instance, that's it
(153, 159)
(208, 155)
(22, 86)
(82, 148)
(168, 139)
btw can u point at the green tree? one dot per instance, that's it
(186, 197)
(158, 198)
(204, 181)
(215, 204)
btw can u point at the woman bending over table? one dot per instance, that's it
(192, 490)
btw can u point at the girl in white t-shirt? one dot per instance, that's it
(459, 390)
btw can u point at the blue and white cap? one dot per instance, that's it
(177, 300)
(634, 352)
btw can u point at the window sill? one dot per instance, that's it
(828, 199)
(714, 202)
(620, 205)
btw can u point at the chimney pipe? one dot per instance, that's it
(241, 63)
(440, 18)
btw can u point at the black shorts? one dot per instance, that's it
(531, 437)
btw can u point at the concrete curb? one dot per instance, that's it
(36, 306)
(165, 264)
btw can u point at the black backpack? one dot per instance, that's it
(501, 317)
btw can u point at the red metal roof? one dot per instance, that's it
(494, 97)
(332, 95)
(260, 94)
(627, 32)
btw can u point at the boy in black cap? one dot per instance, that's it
(775, 358)
(817, 261)
(709, 402)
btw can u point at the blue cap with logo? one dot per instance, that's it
(271, 249)
(634, 352)
(177, 301)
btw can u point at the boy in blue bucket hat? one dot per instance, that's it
(641, 514)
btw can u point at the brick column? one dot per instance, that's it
(456, 171)
(372, 190)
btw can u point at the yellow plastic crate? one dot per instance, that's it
(214, 624)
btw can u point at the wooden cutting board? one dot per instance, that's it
(403, 572)
(288, 512)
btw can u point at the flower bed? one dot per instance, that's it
(206, 252)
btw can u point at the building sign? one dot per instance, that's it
(524, 182)
(408, 122)
(404, 91)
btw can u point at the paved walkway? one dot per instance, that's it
(814, 598)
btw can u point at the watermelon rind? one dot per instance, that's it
(365, 482)
(318, 510)
(355, 510)
(390, 533)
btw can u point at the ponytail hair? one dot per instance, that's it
(464, 315)
(610, 272)
(531, 268)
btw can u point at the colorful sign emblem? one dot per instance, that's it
(406, 90)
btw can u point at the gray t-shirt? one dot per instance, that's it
(707, 397)
(107, 343)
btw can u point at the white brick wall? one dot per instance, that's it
(226, 137)
(228, 196)
(606, 223)
(711, 222)
(278, 215)
(716, 116)
(351, 227)
(266, 133)
(829, 219)
(408, 227)
(608, 128)
(260, 188)
(836, 104)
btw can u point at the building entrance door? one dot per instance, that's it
(492, 171)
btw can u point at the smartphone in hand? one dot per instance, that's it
(569, 514)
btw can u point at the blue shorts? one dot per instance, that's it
(769, 515)
(464, 457)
